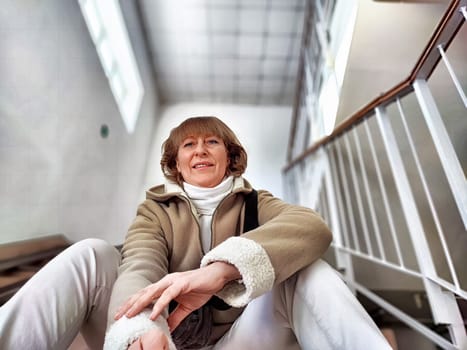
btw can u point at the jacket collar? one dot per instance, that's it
(170, 189)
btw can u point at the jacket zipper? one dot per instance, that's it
(195, 214)
(187, 200)
(214, 216)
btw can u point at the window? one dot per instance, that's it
(108, 31)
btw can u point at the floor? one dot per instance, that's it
(78, 344)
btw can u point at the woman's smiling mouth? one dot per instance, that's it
(202, 165)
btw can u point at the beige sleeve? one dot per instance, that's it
(144, 261)
(288, 238)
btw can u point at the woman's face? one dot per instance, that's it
(202, 160)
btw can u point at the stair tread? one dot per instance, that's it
(28, 247)
(7, 280)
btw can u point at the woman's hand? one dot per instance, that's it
(155, 339)
(191, 289)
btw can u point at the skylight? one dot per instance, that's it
(109, 34)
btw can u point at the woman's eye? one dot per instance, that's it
(212, 142)
(188, 144)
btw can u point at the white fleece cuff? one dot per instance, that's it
(126, 330)
(252, 262)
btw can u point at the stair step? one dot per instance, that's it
(19, 261)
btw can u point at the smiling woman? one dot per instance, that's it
(194, 273)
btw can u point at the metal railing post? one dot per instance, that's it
(444, 147)
(343, 258)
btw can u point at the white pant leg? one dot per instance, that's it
(69, 294)
(257, 328)
(324, 314)
(313, 307)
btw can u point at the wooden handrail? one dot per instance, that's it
(443, 35)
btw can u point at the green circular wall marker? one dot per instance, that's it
(104, 131)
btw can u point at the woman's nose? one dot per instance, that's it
(200, 148)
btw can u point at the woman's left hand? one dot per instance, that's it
(191, 289)
(155, 339)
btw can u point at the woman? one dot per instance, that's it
(189, 243)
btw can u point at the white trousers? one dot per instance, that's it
(311, 310)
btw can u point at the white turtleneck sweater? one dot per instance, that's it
(206, 200)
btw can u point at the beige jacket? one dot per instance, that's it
(165, 238)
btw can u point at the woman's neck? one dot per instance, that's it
(206, 199)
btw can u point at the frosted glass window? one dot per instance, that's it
(109, 34)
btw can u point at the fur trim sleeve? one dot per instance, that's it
(252, 262)
(126, 330)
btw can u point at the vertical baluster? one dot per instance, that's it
(318, 207)
(298, 182)
(324, 210)
(382, 254)
(361, 212)
(343, 258)
(338, 196)
(384, 194)
(347, 198)
(453, 75)
(287, 185)
(292, 185)
(303, 181)
(315, 170)
(443, 145)
(428, 196)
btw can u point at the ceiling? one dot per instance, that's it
(243, 51)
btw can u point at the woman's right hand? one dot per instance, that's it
(154, 339)
(191, 289)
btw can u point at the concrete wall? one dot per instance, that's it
(57, 174)
(388, 39)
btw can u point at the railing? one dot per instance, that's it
(390, 181)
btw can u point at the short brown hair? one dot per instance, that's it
(205, 126)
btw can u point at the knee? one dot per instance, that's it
(310, 282)
(100, 247)
(319, 270)
(318, 278)
(93, 243)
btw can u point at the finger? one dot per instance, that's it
(136, 345)
(177, 316)
(138, 301)
(140, 344)
(144, 300)
(164, 299)
(154, 339)
(127, 305)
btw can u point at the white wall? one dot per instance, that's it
(263, 131)
(387, 41)
(57, 174)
